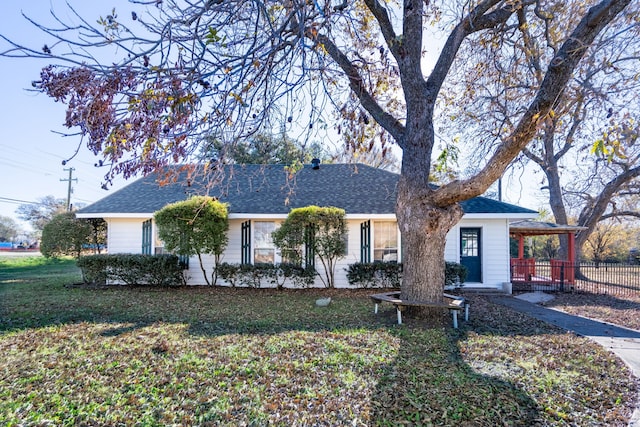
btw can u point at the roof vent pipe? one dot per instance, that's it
(315, 163)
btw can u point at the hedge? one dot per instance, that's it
(375, 274)
(132, 269)
(278, 275)
(389, 275)
(454, 274)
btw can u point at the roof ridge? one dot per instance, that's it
(266, 189)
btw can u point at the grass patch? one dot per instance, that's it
(25, 268)
(208, 356)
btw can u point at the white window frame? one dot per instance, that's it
(255, 244)
(377, 235)
(158, 245)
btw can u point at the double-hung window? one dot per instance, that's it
(264, 251)
(385, 241)
(158, 244)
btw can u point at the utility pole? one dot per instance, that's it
(69, 190)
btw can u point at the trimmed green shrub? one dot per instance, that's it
(298, 276)
(389, 275)
(94, 268)
(228, 272)
(375, 274)
(195, 226)
(65, 235)
(454, 274)
(313, 232)
(247, 275)
(251, 275)
(278, 275)
(267, 272)
(132, 269)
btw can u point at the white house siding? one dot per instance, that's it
(233, 254)
(353, 254)
(452, 247)
(125, 236)
(494, 250)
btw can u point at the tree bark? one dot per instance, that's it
(424, 227)
(424, 230)
(557, 204)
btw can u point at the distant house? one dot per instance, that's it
(260, 197)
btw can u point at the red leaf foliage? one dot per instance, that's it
(135, 123)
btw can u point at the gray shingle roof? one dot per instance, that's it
(479, 205)
(267, 189)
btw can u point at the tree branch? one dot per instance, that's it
(382, 16)
(618, 214)
(591, 213)
(409, 54)
(533, 157)
(559, 72)
(531, 49)
(475, 21)
(384, 119)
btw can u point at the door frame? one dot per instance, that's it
(480, 251)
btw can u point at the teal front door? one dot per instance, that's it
(470, 253)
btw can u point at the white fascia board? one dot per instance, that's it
(114, 215)
(363, 216)
(231, 216)
(256, 216)
(513, 216)
(390, 217)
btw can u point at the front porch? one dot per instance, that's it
(529, 274)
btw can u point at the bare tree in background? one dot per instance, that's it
(40, 213)
(587, 147)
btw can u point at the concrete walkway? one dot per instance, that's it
(623, 342)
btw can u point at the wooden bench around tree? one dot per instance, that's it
(452, 303)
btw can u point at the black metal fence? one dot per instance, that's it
(562, 276)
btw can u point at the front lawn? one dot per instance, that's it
(74, 355)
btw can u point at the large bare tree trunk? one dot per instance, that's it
(424, 230)
(423, 227)
(423, 223)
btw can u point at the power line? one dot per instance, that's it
(25, 167)
(19, 202)
(25, 154)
